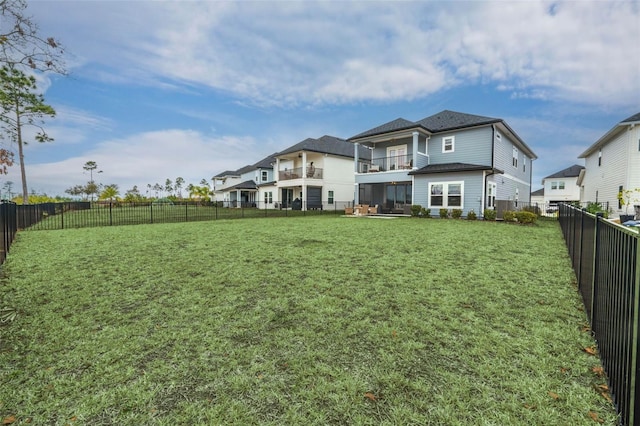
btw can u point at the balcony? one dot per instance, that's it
(301, 172)
(385, 164)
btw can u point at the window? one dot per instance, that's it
(599, 157)
(264, 176)
(268, 197)
(397, 156)
(524, 164)
(491, 195)
(515, 157)
(561, 184)
(554, 185)
(330, 197)
(557, 184)
(446, 194)
(448, 144)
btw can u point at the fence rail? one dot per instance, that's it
(9, 226)
(606, 261)
(53, 216)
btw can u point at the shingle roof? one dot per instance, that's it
(632, 119)
(573, 171)
(247, 184)
(327, 145)
(392, 126)
(448, 120)
(226, 173)
(440, 122)
(449, 167)
(539, 192)
(266, 162)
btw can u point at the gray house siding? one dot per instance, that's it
(503, 154)
(472, 190)
(472, 146)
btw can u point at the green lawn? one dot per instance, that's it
(310, 321)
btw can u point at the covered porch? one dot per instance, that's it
(390, 197)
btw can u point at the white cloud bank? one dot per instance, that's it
(293, 53)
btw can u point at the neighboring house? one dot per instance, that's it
(612, 164)
(537, 197)
(562, 186)
(239, 188)
(317, 173)
(449, 160)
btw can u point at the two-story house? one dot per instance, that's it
(612, 164)
(239, 188)
(449, 160)
(562, 186)
(313, 174)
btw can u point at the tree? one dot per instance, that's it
(75, 191)
(21, 43)
(6, 160)
(178, 186)
(132, 194)
(110, 192)
(7, 187)
(21, 107)
(168, 186)
(201, 193)
(91, 189)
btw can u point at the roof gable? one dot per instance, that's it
(633, 119)
(573, 171)
(448, 120)
(392, 126)
(611, 134)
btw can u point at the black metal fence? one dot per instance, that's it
(606, 261)
(9, 226)
(52, 216)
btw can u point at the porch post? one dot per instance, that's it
(414, 150)
(356, 193)
(303, 174)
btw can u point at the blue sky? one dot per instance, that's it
(160, 89)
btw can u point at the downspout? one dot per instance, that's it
(356, 157)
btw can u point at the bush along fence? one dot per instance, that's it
(606, 261)
(52, 216)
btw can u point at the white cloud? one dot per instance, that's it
(146, 158)
(297, 53)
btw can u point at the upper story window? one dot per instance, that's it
(397, 157)
(448, 144)
(557, 184)
(599, 157)
(514, 161)
(264, 176)
(524, 164)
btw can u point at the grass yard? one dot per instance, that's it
(299, 321)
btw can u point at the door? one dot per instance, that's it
(314, 197)
(287, 197)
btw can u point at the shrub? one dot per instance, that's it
(489, 215)
(456, 213)
(415, 210)
(533, 209)
(444, 213)
(509, 216)
(526, 217)
(594, 208)
(425, 212)
(471, 215)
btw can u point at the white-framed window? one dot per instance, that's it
(397, 157)
(264, 176)
(446, 195)
(491, 195)
(599, 157)
(515, 157)
(557, 184)
(268, 197)
(448, 144)
(524, 164)
(330, 197)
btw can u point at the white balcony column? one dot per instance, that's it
(276, 176)
(414, 150)
(303, 174)
(355, 157)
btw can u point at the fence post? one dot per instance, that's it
(62, 216)
(110, 214)
(151, 211)
(186, 212)
(634, 409)
(596, 250)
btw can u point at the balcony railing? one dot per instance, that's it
(384, 164)
(310, 172)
